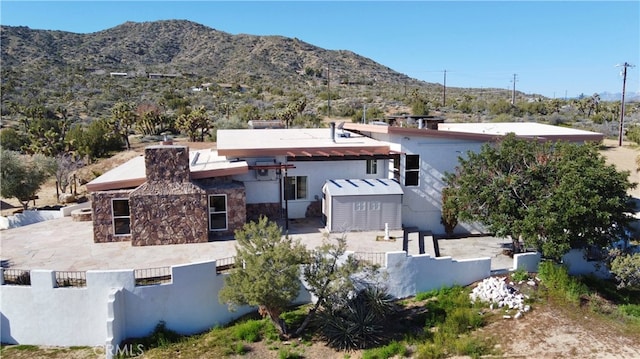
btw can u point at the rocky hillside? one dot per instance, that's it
(188, 48)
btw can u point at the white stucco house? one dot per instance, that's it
(355, 177)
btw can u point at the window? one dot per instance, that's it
(217, 212)
(395, 165)
(295, 188)
(359, 206)
(412, 170)
(121, 217)
(372, 167)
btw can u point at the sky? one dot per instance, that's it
(554, 48)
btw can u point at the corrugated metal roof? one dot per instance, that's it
(362, 187)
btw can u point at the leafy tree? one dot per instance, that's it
(195, 124)
(22, 176)
(552, 196)
(271, 269)
(269, 272)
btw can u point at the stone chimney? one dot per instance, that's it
(167, 164)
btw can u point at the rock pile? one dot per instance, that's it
(497, 292)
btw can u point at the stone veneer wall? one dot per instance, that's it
(103, 217)
(270, 210)
(173, 213)
(167, 164)
(168, 208)
(236, 203)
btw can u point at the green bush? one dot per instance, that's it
(630, 310)
(557, 281)
(390, 350)
(519, 275)
(248, 331)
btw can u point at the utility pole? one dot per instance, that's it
(624, 83)
(513, 93)
(444, 90)
(328, 93)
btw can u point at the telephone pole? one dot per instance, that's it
(513, 93)
(444, 90)
(328, 94)
(624, 83)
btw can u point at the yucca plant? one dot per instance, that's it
(359, 323)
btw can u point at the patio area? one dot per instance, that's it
(65, 245)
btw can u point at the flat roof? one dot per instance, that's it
(363, 187)
(521, 129)
(296, 142)
(202, 164)
(485, 131)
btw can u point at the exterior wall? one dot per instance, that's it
(236, 204)
(174, 213)
(168, 208)
(270, 210)
(577, 264)
(103, 216)
(28, 217)
(422, 204)
(317, 172)
(111, 307)
(408, 275)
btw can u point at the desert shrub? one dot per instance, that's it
(626, 269)
(249, 331)
(358, 323)
(161, 337)
(519, 275)
(557, 281)
(289, 353)
(393, 349)
(630, 310)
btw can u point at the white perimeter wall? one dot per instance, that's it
(409, 275)
(111, 308)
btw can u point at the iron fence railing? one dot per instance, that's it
(71, 279)
(16, 276)
(225, 264)
(375, 258)
(151, 276)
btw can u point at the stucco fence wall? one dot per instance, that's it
(112, 308)
(35, 216)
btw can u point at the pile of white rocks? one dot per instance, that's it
(496, 292)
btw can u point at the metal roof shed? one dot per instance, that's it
(362, 204)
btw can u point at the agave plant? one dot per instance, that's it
(359, 323)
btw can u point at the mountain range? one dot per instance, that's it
(188, 48)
